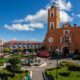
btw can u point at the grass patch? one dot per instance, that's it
(64, 74)
(3, 60)
(18, 76)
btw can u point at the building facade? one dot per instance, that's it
(14, 44)
(65, 37)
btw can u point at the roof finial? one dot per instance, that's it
(53, 3)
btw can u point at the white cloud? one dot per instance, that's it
(64, 17)
(36, 25)
(75, 15)
(40, 18)
(41, 15)
(24, 27)
(32, 22)
(18, 27)
(64, 5)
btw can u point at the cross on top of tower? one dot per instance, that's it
(53, 3)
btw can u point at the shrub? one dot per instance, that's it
(50, 77)
(1, 63)
(76, 58)
(26, 71)
(66, 63)
(6, 50)
(69, 64)
(50, 69)
(28, 64)
(14, 65)
(30, 50)
(14, 61)
(36, 64)
(78, 75)
(63, 63)
(18, 67)
(65, 74)
(74, 68)
(20, 49)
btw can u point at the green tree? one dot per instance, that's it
(30, 50)
(14, 61)
(20, 49)
(14, 65)
(6, 50)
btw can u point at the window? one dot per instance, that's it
(66, 31)
(50, 39)
(51, 13)
(66, 39)
(51, 25)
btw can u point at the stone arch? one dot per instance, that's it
(65, 50)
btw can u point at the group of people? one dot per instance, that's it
(64, 52)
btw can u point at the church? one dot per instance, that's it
(66, 36)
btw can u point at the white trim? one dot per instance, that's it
(51, 23)
(65, 31)
(64, 36)
(50, 39)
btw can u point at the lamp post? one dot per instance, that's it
(57, 53)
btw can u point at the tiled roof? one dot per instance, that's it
(24, 42)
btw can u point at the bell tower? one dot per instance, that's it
(53, 18)
(53, 25)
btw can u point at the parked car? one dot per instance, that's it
(43, 53)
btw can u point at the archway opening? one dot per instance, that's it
(65, 51)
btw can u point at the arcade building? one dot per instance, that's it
(66, 37)
(15, 44)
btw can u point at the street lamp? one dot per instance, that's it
(57, 53)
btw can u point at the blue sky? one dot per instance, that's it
(27, 19)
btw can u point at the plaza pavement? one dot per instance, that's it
(37, 71)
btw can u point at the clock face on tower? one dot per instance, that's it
(50, 39)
